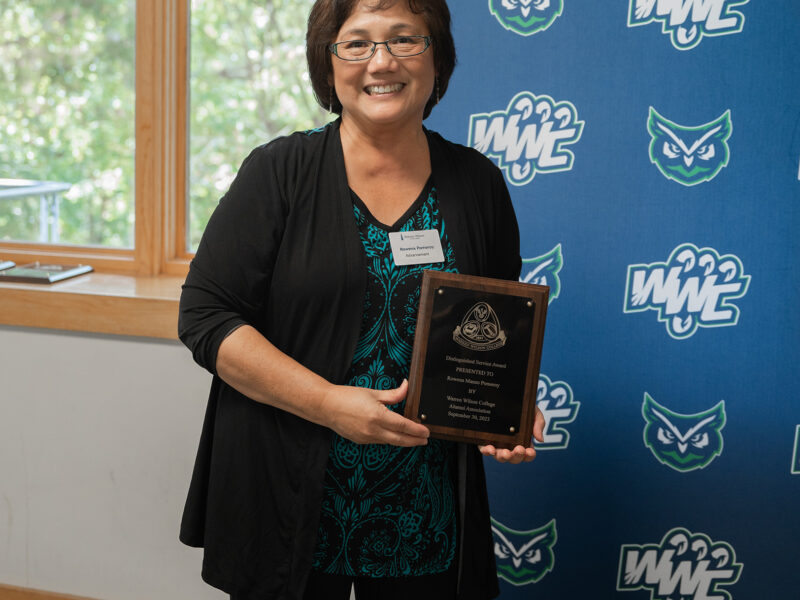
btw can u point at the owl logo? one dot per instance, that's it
(524, 557)
(556, 401)
(480, 329)
(796, 454)
(688, 21)
(526, 17)
(544, 270)
(683, 566)
(689, 155)
(683, 442)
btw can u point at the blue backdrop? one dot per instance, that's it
(652, 151)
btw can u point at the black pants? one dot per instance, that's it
(441, 586)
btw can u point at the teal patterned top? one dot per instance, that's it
(389, 511)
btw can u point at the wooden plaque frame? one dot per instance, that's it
(474, 349)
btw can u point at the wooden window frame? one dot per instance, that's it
(132, 292)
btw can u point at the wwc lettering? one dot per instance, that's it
(688, 21)
(528, 137)
(693, 288)
(684, 565)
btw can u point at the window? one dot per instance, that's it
(249, 84)
(71, 70)
(68, 120)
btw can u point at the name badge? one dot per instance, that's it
(416, 247)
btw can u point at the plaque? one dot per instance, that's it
(475, 363)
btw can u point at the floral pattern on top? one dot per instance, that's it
(389, 511)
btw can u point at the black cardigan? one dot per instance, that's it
(282, 253)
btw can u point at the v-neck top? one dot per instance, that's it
(389, 511)
(362, 212)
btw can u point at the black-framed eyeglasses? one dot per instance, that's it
(403, 46)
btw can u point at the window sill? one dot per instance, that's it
(98, 303)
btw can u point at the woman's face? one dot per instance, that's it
(383, 90)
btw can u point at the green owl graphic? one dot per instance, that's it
(689, 155)
(524, 557)
(683, 442)
(544, 270)
(526, 17)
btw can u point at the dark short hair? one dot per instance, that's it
(328, 16)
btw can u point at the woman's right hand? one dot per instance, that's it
(251, 364)
(362, 416)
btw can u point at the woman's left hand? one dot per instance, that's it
(519, 453)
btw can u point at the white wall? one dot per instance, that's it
(97, 442)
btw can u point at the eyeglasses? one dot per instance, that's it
(407, 45)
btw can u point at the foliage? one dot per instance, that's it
(67, 105)
(66, 75)
(249, 84)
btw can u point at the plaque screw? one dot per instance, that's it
(441, 291)
(511, 429)
(423, 416)
(530, 303)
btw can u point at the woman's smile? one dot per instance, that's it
(380, 89)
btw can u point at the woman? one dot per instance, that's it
(304, 480)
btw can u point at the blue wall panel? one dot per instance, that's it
(672, 502)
